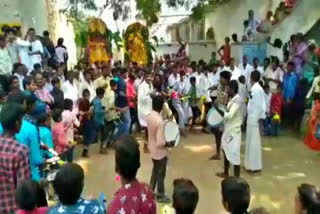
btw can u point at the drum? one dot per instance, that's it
(214, 119)
(171, 132)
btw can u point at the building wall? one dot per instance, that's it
(228, 18)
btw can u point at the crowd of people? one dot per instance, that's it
(45, 107)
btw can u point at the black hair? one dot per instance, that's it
(37, 66)
(123, 71)
(100, 91)
(42, 118)
(185, 196)
(13, 78)
(60, 41)
(266, 86)
(31, 29)
(86, 72)
(291, 63)
(309, 198)
(27, 81)
(57, 115)
(17, 65)
(234, 37)
(236, 193)
(67, 104)
(255, 76)
(10, 114)
(246, 22)
(127, 157)
(16, 97)
(225, 75)
(31, 99)
(193, 79)
(113, 83)
(55, 80)
(85, 91)
(242, 79)
(29, 195)
(157, 103)
(233, 84)
(46, 33)
(68, 183)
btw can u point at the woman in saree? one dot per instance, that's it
(311, 139)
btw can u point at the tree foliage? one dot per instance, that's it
(148, 10)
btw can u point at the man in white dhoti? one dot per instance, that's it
(256, 112)
(145, 90)
(231, 137)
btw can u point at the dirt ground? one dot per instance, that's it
(286, 164)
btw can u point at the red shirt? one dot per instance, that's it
(133, 198)
(14, 168)
(131, 93)
(226, 54)
(276, 103)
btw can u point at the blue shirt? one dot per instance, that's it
(29, 137)
(46, 138)
(308, 72)
(121, 99)
(81, 207)
(290, 84)
(98, 112)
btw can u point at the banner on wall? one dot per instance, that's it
(11, 24)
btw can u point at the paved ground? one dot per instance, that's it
(287, 163)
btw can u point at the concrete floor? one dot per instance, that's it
(287, 163)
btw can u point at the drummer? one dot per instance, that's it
(157, 148)
(221, 101)
(231, 137)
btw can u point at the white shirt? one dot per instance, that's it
(236, 73)
(267, 98)
(256, 106)
(13, 51)
(144, 102)
(183, 87)
(21, 78)
(5, 62)
(36, 46)
(70, 91)
(246, 70)
(137, 82)
(23, 51)
(214, 79)
(61, 52)
(174, 80)
(204, 86)
(243, 91)
(275, 75)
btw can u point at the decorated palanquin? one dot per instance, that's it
(137, 45)
(99, 47)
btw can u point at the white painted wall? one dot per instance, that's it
(228, 18)
(30, 13)
(195, 50)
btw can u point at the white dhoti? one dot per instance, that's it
(253, 154)
(231, 144)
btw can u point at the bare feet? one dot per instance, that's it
(222, 175)
(215, 157)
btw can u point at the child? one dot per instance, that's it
(112, 117)
(57, 94)
(267, 120)
(275, 110)
(242, 88)
(68, 185)
(86, 124)
(69, 120)
(44, 122)
(61, 145)
(185, 196)
(235, 195)
(31, 198)
(98, 118)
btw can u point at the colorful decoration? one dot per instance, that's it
(99, 47)
(137, 45)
